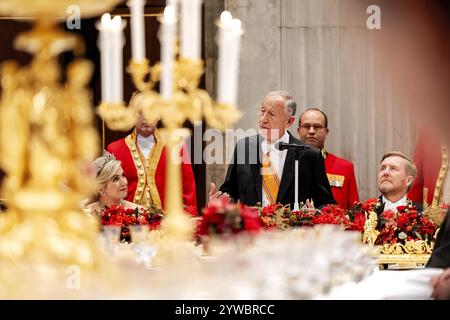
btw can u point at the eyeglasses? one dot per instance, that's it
(316, 127)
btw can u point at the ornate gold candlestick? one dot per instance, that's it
(46, 146)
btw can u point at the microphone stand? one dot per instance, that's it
(296, 204)
(296, 149)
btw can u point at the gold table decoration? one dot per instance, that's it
(47, 142)
(411, 255)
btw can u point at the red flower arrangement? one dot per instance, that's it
(277, 216)
(122, 217)
(406, 225)
(222, 217)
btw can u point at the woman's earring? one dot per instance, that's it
(102, 194)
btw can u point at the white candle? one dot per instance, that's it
(229, 38)
(104, 45)
(137, 29)
(174, 4)
(235, 50)
(167, 39)
(117, 59)
(191, 28)
(111, 45)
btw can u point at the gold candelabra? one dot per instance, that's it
(188, 103)
(46, 148)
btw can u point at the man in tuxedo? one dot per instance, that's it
(396, 176)
(313, 130)
(260, 173)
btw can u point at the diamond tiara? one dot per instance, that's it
(101, 162)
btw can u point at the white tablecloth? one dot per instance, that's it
(387, 285)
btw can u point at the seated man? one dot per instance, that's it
(395, 178)
(313, 130)
(260, 173)
(143, 158)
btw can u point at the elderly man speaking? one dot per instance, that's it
(260, 173)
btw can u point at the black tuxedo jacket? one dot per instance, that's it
(440, 257)
(243, 180)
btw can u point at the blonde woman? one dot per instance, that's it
(112, 185)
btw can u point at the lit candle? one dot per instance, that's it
(191, 28)
(117, 40)
(105, 56)
(137, 29)
(111, 45)
(229, 39)
(167, 39)
(174, 4)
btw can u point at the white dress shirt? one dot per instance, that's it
(145, 144)
(388, 205)
(277, 158)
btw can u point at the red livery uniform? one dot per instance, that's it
(341, 176)
(147, 177)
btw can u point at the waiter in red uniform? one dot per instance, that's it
(313, 130)
(143, 158)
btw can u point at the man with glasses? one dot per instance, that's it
(313, 130)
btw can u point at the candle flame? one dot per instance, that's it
(169, 14)
(116, 22)
(106, 19)
(226, 18)
(236, 25)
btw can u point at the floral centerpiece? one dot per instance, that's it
(405, 237)
(277, 216)
(124, 218)
(407, 232)
(224, 219)
(407, 224)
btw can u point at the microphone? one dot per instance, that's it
(280, 145)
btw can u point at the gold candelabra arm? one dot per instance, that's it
(187, 74)
(117, 116)
(139, 70)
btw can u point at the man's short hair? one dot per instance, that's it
(313, 109)
(290, 104)
(410, 166)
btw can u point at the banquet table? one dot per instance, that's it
(387, 285)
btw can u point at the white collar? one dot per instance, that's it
(266, 146)
(388, 205)
(145, 141)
